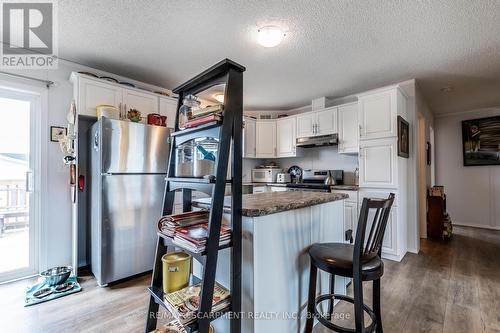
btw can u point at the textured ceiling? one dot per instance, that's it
(332, 48)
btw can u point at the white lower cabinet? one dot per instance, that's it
(390, 243)
(259, 189)
(278, 189)
(350, 212)
(350, 218)
(378, 163)
(394, 244)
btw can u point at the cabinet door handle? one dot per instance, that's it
(120, 111)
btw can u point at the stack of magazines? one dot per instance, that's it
(194, 238)
(190, 230)
(169, 224)
(184, 303)
(205, 115)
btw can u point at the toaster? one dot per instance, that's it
(283, 177)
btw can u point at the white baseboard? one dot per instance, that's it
(393, 257)
(489, 227)
(413, 251)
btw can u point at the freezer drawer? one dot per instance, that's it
(128, 147)
(131, 207)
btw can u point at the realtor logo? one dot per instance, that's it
(29, 34)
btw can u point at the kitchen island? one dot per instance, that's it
(278, 228)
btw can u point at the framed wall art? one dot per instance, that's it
(403, 138)
(481, 141)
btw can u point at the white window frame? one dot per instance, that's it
(38, 96)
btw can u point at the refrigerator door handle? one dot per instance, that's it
(96, 141)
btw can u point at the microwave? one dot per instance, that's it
(265, 175)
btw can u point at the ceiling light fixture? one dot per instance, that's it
(219, 97)
(270, 36)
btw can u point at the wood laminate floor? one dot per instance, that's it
(450, 287)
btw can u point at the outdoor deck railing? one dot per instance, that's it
(13, 207)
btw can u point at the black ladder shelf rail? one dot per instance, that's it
(228, 131)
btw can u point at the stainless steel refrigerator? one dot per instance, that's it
(128, 163)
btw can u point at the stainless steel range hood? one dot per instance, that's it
(320, 140)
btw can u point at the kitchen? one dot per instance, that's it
(199, 183)
(318, 146)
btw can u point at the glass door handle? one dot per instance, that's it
(29, 182)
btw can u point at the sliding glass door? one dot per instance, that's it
(18, 214)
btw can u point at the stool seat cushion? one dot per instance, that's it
(337, 258)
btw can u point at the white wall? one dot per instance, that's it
(56, 234)
(473, 193)
(325, 158)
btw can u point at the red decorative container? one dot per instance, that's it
(154, 119)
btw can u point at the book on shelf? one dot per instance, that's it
(194, 238)
(203, 120)
(184, 303)
(174, 326)
(207, 111)
(190, 230)
(168, 224)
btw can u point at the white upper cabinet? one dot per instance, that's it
(143, 102)
(306, 124)
(315, 123)
(378, 115)
(348, 128)
(92, 93)
(168, 108)
(265, 138)
(286, 137)
(378, 163)
(326, 121)
(249, 148)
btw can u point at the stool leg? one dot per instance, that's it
(359, 315)
(311, 300)
(332, 291)
(376, 304)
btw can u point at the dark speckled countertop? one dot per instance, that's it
(266, 203)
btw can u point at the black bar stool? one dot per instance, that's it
(360, 261)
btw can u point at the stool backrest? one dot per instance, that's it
(369, 245)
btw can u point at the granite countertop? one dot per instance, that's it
(267, 203)
(264, 184)
(345, 187)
